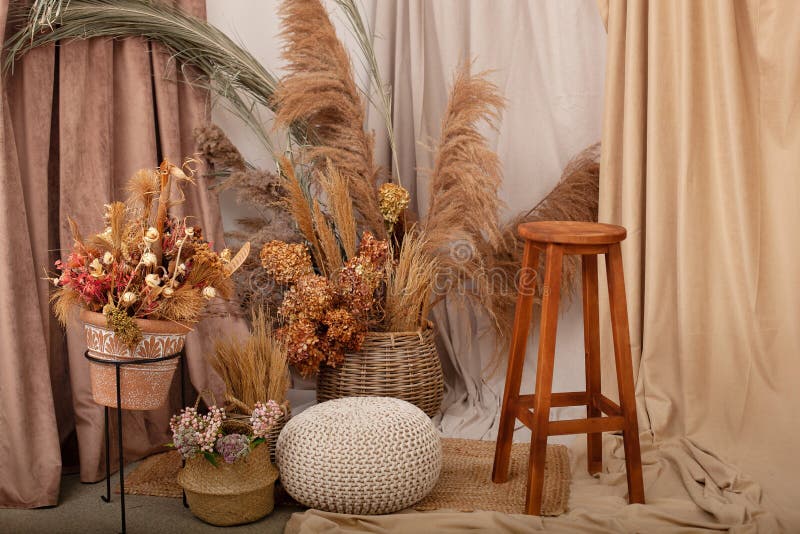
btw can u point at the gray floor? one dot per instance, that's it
(82, 512)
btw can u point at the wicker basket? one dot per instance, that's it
(403, 365)
(230, 494)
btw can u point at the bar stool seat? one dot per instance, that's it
(572, 232)
(556, 238)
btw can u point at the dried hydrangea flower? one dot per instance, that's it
(344, 328)
(286, 262)
(304, 348)
(309, 298)
(392, 200)
(233, 447)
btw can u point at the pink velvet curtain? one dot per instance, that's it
(77, 121)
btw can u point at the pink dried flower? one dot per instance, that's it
(264, 417)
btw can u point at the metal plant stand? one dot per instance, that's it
(118, 365)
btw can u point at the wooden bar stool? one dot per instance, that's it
(556, 238)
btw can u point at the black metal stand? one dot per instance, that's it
(118, 365)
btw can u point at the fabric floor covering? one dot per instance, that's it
(687, 490)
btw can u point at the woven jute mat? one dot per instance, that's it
(466, 481)
(465, 484)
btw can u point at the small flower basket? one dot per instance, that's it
(230, 494)
(403, 365)
(228, 478)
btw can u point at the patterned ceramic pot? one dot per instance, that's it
(145, 386)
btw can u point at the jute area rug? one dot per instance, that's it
(465, 484)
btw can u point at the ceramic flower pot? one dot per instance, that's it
(230, 494)
(143, 386)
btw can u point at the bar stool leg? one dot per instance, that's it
(622, 353)
(591, 340)
(551, 292)
(516, 361)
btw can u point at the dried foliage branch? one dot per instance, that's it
(320, 91)
(462, 228)
(225, 68)
(254, 369)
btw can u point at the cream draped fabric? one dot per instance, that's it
(701, 151)
(77, 121)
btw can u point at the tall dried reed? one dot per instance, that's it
(462, 228)
(320, 91)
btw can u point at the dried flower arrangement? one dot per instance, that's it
(194, 433)
(145, 263)
(332, 190)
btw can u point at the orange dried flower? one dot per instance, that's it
(286, 262)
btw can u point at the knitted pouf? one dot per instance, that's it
(359, 455)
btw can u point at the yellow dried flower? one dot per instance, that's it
(393, 199)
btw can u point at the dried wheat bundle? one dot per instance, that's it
(254, 369)
(320, 91)
(462, 228)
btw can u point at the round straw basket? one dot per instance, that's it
(230, 494)
(403, 365)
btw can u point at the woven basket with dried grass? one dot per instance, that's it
(403, 365)
(230, 494)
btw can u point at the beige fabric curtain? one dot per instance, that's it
(701, 151)
(77, 122)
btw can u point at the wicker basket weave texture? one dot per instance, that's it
(360, 455)
(403, 365)
(230, 494)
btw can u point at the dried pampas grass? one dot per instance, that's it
(340, 206)
(462, 228)
(254, 370)
(320, 91)
(574, 198)
(410, 285)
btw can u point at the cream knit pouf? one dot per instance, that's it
(359, 455)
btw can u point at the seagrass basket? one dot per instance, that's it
(230, 494)
(403, 365)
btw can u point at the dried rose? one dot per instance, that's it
(128, 298)
(209, 292)
(151, 235)
(149, 259)
(152, 280)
